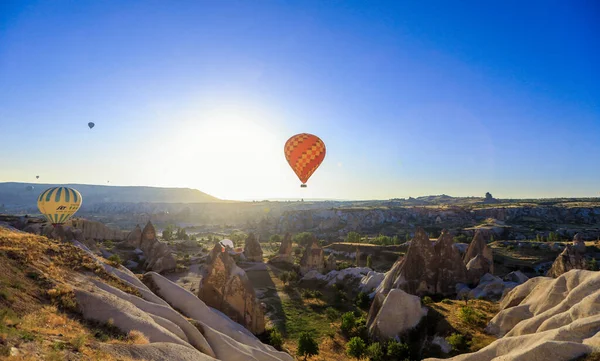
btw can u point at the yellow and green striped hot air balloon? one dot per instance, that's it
(58, 204)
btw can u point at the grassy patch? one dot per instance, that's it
(300, 317)
(468, 321)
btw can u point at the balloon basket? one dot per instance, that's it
(303, 185)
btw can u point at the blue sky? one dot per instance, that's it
(410, 98)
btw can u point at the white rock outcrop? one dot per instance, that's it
(398, 313)
(546, 319)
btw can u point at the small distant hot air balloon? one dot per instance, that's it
(37, 177)
(304, 152)
(29, 187)
(91, 125)
(59, 204)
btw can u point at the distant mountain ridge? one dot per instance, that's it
(15, 194)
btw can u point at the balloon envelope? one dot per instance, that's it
(91, 125)
(58, 204)
(37, 177)
(304, 153)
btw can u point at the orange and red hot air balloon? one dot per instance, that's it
(304, 152)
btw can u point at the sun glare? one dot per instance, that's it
(230, 156)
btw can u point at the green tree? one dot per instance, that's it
(353, 237)
(275, 238)
(593, 265)
(539, 238)
(407, 237)
(427, 300)
(292, 276)
(458, 342)
(362, 300)
(369, 261)
(307, 346)
(167, 233)
(396, 240)
(397, 351)
(284, 277)
(348, 323)
(115, 260)
(303, 238)
(375, 352)
(181, 234)
(332, 314)
(275, 339)
(356, 347)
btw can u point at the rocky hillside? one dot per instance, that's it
(59, 301)
(509, 222)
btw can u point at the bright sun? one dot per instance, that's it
(232, 156)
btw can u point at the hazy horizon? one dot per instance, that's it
(410, 99)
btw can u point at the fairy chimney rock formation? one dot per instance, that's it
(226, 287)
(252, 250)
(312, 259)
(330, 263)
(451, 269)
(478, 258)
(285, 251)
(158, 257)
(578, 243)
(572, 257)
(134, 238)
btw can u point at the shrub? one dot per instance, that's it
(397, 351)
(457, 341)
(353, 237)
(375, 352)
(137, 338)
(284, 277)
(343, 265)
(63, 296)
(356, 347)
(593, 265)
(275, 339)
(78, 342)
(302, 239)
(339, 298)
(348, 323)
(446, 301)
(307, 346)
(427, 300)
(307, 294)
(510, 248)
(470, 316)
(461, 238)
(115, 260)
(362, 300)
(362, 331)
(332, 314)
(369, 261)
